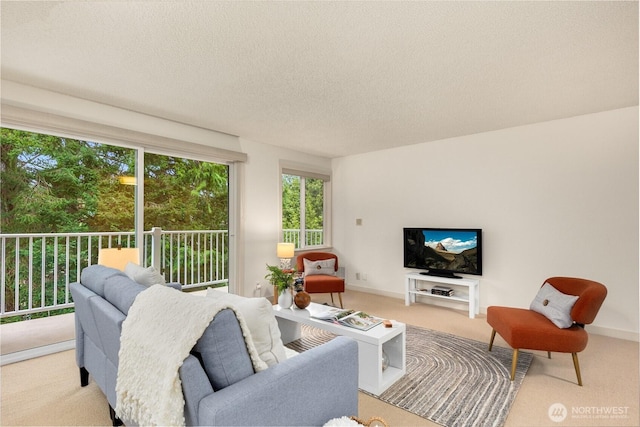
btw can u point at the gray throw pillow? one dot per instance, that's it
(262, 324)
(554, 305)
(223, 351)
(326, 267)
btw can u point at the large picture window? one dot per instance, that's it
(305, 207)
(63, 200)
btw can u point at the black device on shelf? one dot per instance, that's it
(443, 252)
(441, 290)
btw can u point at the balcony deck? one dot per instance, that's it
(37, 337)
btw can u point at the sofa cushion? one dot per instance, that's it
(223, 352)
(262, 323)
(325, 267)
(554, 305)
(122, 291)
(94, 277)
(145, 276)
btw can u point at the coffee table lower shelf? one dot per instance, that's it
(371, 345)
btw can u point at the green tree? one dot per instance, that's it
(314, 203)
(48, 183)
(183, 194)
(290, 201)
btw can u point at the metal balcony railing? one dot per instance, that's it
(37, 268)
(311, 237)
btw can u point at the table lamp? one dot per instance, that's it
(285, 253)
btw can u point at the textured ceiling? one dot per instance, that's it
(331, 78)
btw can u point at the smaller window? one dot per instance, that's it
(305, 198)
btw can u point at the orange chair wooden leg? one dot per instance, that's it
(332, 303)
(577, 366)
(340, 298)
(514, 363)
(493, 336)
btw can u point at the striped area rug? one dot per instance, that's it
(450, 380)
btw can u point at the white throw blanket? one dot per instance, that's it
(160, 330)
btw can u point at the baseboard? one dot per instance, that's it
(613, 333)
(375, 291)
(593, 329)
(31, 353)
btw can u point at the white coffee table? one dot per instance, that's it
(371, 344)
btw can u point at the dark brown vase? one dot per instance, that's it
(302, 299)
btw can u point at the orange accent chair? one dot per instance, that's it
(528, 329)
(321, 283)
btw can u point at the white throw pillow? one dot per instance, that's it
(325, 266)
(342, 422)
(262, 324)
(554, 305)
(145, 276)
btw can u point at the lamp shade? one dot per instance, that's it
(118, 257)
(285, 250)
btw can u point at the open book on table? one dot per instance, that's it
(352, 318)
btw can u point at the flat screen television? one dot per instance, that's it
(443, 251)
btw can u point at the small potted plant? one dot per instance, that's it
(282, 280)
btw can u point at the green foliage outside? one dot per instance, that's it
(313, 202)
(50, 184)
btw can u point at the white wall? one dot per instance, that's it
(260, 209)
(554, 198)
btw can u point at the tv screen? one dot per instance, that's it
(443, 251)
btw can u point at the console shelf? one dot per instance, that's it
(413, 288)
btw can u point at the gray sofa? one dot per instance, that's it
(219, 387)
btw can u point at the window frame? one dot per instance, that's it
(305, 172)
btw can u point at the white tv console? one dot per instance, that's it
(413, 288)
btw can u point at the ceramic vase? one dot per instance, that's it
(285, 299)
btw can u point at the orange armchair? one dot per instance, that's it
(528, 329)
(322, 280)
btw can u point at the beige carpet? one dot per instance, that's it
(46, 390)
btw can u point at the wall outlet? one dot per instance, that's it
(357, 276)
